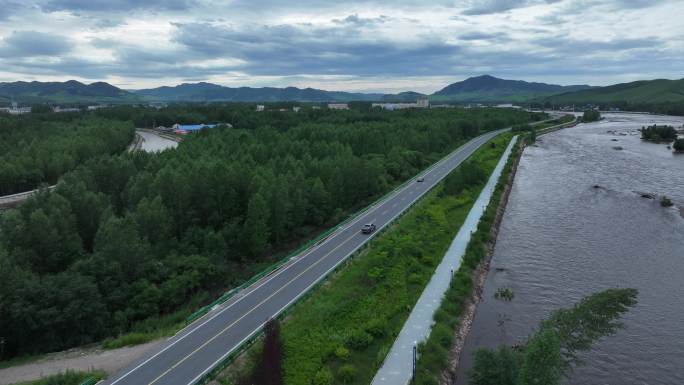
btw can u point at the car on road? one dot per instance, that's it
(368, 228)
(420, 179)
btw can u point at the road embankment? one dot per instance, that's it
(454, 317)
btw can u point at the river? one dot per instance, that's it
(154, 143)
(562, 239)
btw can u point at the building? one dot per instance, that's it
(338, 106)
(60, 109)
(96, 107)
(296, 108)
(184, 129)
(420, 103)
(423, 102)
(15, 109)
(260, 107)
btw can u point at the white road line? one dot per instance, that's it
(449, 158)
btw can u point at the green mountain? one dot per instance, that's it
(489, 89)
(212, 92)
(70, 91)
(639, 92)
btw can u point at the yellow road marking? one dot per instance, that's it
(246, 314)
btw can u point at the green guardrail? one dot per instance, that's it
(89, 381)
(211, 374)
(229, 294)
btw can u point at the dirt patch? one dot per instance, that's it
(79, 359)
(478, 276)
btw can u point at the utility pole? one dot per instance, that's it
(415, 353)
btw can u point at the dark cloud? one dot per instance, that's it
(32, 43)
(362, 21)
(302, 49)
(8, 9)
(116, 5)
(472, 36)
(593, 47)
(485, 7)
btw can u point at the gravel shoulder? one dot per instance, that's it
(79, 359)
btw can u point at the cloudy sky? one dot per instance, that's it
(371, 45)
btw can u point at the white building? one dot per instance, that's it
(296, 108)
(421, 103)
(60, 109)
(338, 106)
(260, 107)
(16, 110)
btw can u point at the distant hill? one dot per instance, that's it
(70, 91)
(403, 97)
(639, 92)
(487, 88)
(213, 92)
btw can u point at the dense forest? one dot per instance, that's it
(129, 237)
(39, 148)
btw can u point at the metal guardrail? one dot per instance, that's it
(211, 374)
(310, 244)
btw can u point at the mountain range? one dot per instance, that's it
(70, 91)
(639, 92)
(485, 89)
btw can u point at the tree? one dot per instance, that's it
(256, 225)
(591, 116)
(550, 352)
(269, 368)
(495, 367)
(678, 145)
(542, 363)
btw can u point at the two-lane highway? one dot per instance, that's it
(194, 351)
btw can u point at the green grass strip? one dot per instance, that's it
(342, 332)
(434, 353)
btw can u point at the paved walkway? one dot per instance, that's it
(398, 366)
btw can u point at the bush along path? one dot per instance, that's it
(342, 332)
(439, 356)
(398, 367)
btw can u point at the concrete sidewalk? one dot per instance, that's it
(398, 366)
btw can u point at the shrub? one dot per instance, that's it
(657, 133)
(591, 116)
(678, 145)
(504, 293)
(342, 353)
(347, 373)
(323, 377)
(359, 339)
(665, 201)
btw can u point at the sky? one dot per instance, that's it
(351, 45)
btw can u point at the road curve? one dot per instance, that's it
(195, 350)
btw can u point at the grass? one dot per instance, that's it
(156, 327)
(67, 378)
(434, 353)
(343, 331)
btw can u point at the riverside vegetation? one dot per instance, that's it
(433, 356)
(657, 133)
(342, 332)
(591, 116)
(551, 351)
(136, 242)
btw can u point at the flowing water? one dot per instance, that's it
(562, 239)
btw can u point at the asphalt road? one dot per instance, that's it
(194, 351)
